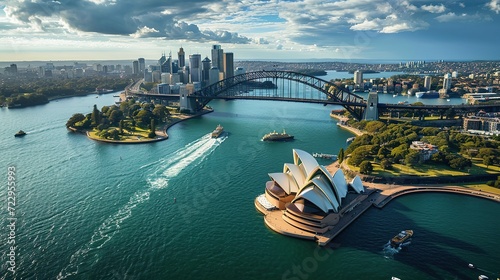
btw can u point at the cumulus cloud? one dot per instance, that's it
(460, 17)
(435, 9)
(494, 5)
(125, 17)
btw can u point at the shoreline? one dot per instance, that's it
(162, 132)
(353, 130)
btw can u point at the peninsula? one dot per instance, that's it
(129, 123)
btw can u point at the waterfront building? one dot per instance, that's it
(195, 67)
(358, 78)
(142, 64)
(308, 197)
(218, 57)
(427, 82)
(447, 81)
(228, 65)
(181, 56)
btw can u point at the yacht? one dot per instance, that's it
(401, 237)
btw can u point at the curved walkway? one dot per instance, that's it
(389, 192)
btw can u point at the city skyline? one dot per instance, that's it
(353, 29)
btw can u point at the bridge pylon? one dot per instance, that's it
(371, 112)
(187, 103)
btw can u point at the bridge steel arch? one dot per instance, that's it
(353, 103)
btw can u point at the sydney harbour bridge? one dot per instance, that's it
(298, 87)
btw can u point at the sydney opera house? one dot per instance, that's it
(306, 200)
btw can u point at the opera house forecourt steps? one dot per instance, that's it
(307, 201)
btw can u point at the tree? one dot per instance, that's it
(399, 152)
(143, 117)
(152, 125)
(122, 123)
(386, 164)
(341, 155)
(365, 167)
(412, 158)
(74, 119)
(360, 154)
(488, 160)
(95, 117)
(115, 116)
(160, 111)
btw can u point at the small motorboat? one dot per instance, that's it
(20, 133)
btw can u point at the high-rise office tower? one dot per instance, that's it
(213, 75)
(205, 70)
(166, 64)
(142, 64)
(218, 57)
(427, 82)
(358, 78)
(195, 67)
(447, 81)
(181, 57)
(228, 64)
(135, 67)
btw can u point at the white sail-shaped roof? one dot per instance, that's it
(316, 197)
(323, 191)
(340, 183)
(285, 181)
(296, 173)
(357, 184)
(314, 183)
(309, 163)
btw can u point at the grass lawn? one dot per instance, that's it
(128, 135)
(430, 170)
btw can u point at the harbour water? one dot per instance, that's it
(183, 208)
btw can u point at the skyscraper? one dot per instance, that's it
(195, 67)
(142, 64)
(228, 64)
(181, 57)
(358, 78)
(427, 82)
(135, 67)
(447, 81)
(205, 70)
(218, 57)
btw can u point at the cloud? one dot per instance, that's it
(451, 16)
(125, 17)
(435, 9)
(494, 5)
(399, 27)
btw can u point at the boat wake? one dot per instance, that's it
(165, 169)
(388, 251)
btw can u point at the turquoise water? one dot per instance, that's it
(183, 208)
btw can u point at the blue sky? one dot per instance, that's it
(252, 29)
